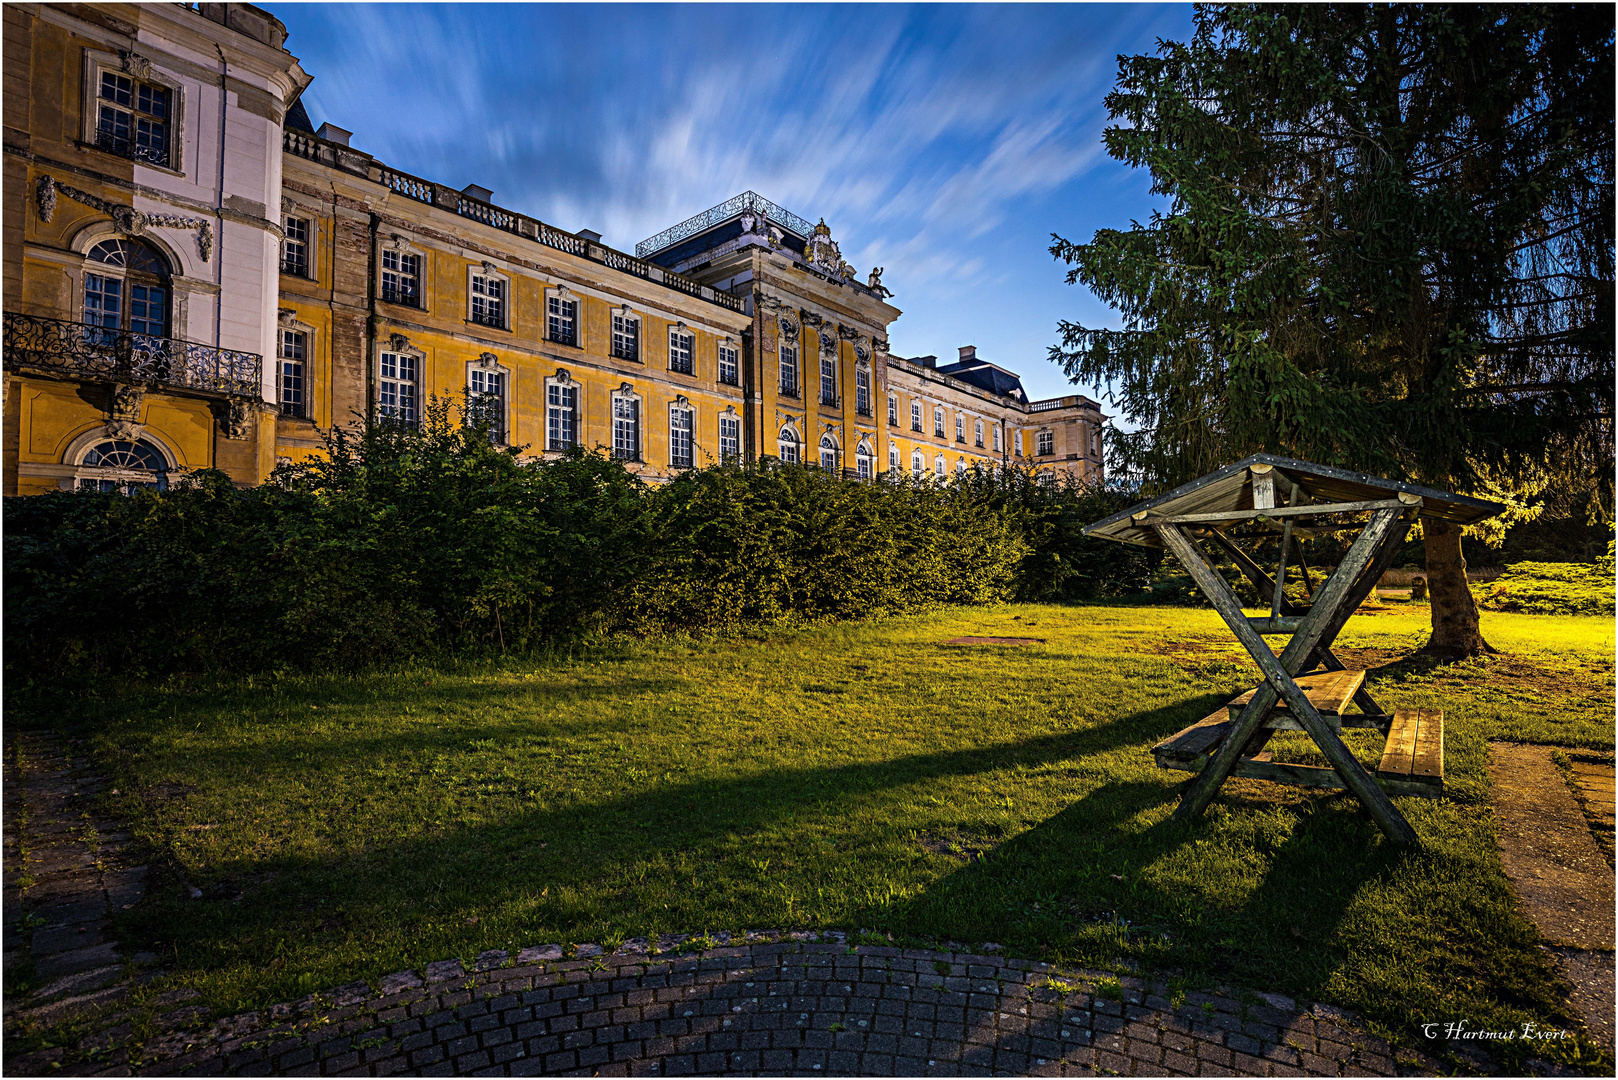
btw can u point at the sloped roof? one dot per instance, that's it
(986, 376)
(1231, 490)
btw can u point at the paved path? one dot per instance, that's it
(65, 874)
(1559, 873)
(770, 1003)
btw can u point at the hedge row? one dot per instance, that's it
(414, 543)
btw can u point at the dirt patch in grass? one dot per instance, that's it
(963, 846)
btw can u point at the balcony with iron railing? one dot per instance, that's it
(103, 353)
(485, 317)
(312, 148)
(402, 297)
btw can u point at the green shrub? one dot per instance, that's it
(404, 542)
(1551, 588)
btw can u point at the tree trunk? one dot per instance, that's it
(1455, 613)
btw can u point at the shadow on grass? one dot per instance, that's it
(674, 856)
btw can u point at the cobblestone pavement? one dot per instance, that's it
(65, 874)
(768, 1003)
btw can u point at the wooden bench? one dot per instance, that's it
(1412, 761)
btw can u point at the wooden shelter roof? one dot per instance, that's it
(1231, 489)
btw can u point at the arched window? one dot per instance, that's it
(893, 457)
(940, 467)
(123, 466)
(788, 444)
(828, 452)
(864, 461)
(126, 287)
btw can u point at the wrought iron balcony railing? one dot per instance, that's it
(495, 319)
(104, 353)
(402, 297)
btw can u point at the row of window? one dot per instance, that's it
(789, 385)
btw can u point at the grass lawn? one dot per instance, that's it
(849, 776)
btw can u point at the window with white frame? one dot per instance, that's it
(490, 294)
(862, 392)
(789, 371)
(401, 278)
(977, 432)
(787, 444)
(918, 464)
(1019, 444)
(997, 437)
(127, 287)
(133, 118)
(730, 436)
(893, 457)
(681, 346)
(680, 425)
(730, 368)
(561, 414)
(1045, 442)
(960, 428)
(915, 416)
(292, 347)
(1047, 478)
(864, 462)
(396, 386)
(960, 466)
(828, 380)
(938, 422)
(828, 452)
(940, 467)
(295, 248)
(893, 410)
(625, 427)
(486, 401)
(625, 335)
(562, 319)
(122, 466)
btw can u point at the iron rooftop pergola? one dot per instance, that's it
(1298, 495)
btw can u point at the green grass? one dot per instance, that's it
(1551, 589)
(862, 777)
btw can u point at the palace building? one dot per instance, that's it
(197, 278)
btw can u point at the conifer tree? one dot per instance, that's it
(1387, 244)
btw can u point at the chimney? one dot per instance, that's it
(590, 235)
(476, 191)
(333, 133)
(968, 352)
(927, 361)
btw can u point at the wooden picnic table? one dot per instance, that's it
(1293, 496)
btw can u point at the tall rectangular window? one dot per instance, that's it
(295, 248)
(397, 387)
(626, 428)
(1019, 444)
(828, 380)
(893, 410)
(960, 428)
(977, 432)
(148, 309)
(401, 278)
(862, 392)
(915, 416)
(562, 320)
(132, 119)
(680, 437)
(730, 370)
(561, 415)
(680, 348)
(1046, 441)
(489, 300)
(625, 337)
(730, 437)
(486, 400)
(996, 430)
(789, 370)
(938, 423)
(103, 300)
(294, 346)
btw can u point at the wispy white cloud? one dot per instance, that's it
(924, 135)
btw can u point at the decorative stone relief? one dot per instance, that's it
(847, 333)
(125, 401)
(398, 342)
(874, 283)
(789, 328)
(126, 219)
(748, 221)
(564, 376)
(862, 353)
(237, 421)
(286, 316)
(828, 341)
(135, 64)
(487, 361)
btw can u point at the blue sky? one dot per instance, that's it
(942, 142)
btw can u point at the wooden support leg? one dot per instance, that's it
(1278, 673)
(1254, 573)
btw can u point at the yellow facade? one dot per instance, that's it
(126, 231)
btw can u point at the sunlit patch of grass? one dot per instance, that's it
(855, 777)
